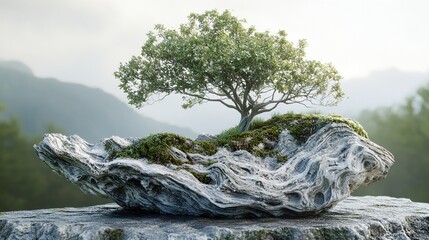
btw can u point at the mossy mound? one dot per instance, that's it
(260, 140)
(156, 148)
(302, 126)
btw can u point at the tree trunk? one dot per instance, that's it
(245, 122)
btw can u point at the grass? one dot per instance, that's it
(260, 140)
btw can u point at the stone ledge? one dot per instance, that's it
(354, 218)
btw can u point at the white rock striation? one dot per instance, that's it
(318, 174)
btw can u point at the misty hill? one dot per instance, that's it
(76, 109)
(379, 89)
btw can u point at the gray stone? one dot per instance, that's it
(353, 218)
(318, 174)
(205, 137)
(287, 145)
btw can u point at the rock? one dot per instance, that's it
(319, 173)
(205, 137)
(287, 145)
(353, 218)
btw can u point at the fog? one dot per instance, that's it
(84, 41)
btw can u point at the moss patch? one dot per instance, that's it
(260, 140)
(108, 146)
(331, 233)
(113, 234)
(202, 177)
(156, 148)
(283, 233)
(302, 126)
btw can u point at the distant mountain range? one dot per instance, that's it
(379, 89)
(94, 114)
(40, 103)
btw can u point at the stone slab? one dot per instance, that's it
(354, 218)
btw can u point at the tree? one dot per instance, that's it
(216, 58)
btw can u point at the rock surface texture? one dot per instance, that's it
(318, 174)
(353, 218)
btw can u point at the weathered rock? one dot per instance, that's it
(205, 137)
(318, 174)
(353, 218)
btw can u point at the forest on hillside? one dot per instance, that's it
(404, 131)
(26, 183)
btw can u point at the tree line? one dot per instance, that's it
(403, 130)
(26, 182)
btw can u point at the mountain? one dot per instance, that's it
(383, 88)
(16, 66)
(40, 103)
(380, 89)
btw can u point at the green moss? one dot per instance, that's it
(280, 159)
(302, 126)
(113, 234)
(227, 237)
(210, 163)
(204, 147)
(256, 123)
(156, 148)
(202, 177)
(260, 140)
(108, 146)
(283, 233)
(229, 131)
(331, 233)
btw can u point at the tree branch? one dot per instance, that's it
(248, 85)
(209, 99)
(225, 92)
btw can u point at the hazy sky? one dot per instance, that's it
(83, 41)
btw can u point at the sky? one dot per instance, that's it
(83, 41)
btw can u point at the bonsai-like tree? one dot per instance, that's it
(216, 58)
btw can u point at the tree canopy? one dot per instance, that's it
(215, 57)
